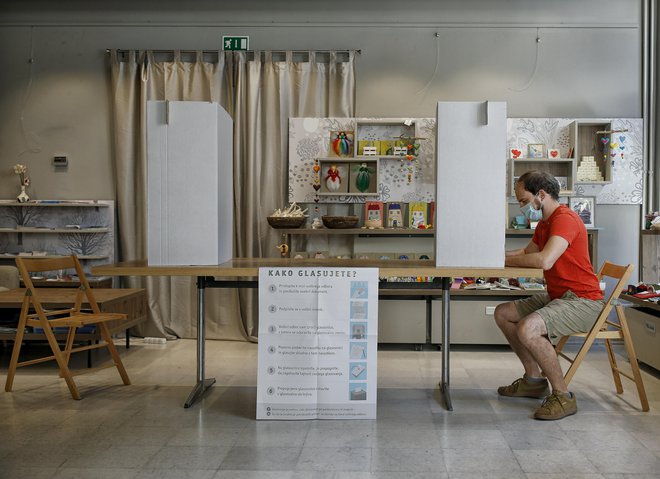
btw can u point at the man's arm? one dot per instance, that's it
(545, 259)
(530, 248)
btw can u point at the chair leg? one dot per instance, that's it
(107, 337)
(62, 363)
(13, 363)
(614, 367)
(584, 349)
(632, 356)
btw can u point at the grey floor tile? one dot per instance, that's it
(188, 457)
(538, 439)
(204, 436)
(261, 458)
(23, 472)
(96, 473)
(274, 434)
(176, 474)
(408, 460)
(580, 475)
(627, 462)
(110, 456)
(481, 460)
(600, 440)
(551, 461)
(334, 459)
(405, 438)
(344, 437)
(253, 475)
(488, 475)
(468, 439)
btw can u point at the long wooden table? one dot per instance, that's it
(244, 273)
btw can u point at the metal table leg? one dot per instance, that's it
(202, 383)
(444, 381)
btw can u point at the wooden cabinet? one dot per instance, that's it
(562, 168)
(592, 141)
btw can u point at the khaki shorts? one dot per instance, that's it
(562, 316)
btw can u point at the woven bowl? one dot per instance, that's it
(340, 221)
(286, 221)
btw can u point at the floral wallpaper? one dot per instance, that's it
(310, 139)
(625, 150)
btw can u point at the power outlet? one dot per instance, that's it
(490, 310)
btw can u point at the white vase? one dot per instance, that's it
(23, 196)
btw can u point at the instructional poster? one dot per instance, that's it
(318, 339)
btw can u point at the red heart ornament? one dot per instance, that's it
(554, 153)
(516, 153)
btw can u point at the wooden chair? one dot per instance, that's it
(618, 330)
(34, 314)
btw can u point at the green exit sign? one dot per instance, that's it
(235, 43)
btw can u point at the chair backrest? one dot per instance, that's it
(26, 266)
(621, 274)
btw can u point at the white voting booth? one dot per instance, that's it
(190, 183)
(470, 184)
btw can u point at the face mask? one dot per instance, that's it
(531, 213)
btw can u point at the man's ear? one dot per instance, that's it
(542, 194)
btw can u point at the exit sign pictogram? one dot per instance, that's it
(235, 43)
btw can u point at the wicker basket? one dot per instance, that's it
(340, 221)
(286, 221)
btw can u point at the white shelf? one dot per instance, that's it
(54, 230)
(58, 203)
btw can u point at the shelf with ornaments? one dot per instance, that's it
(561, 168)
(596, 146)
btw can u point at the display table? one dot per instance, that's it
(244, 272)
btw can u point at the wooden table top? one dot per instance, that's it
(249, 267)
(58, 297)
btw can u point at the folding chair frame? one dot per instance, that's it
(71, 318)
(618, 330)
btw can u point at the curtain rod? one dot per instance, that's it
(358, 51)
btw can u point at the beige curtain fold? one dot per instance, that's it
(260, 94)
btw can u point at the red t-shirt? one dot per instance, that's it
(572, 270)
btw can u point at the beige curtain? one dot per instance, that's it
(261, 91)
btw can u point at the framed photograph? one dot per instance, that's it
(585, 207)
(553, 154)
(536, 150)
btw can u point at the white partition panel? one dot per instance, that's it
(471, 184)
(190, 187)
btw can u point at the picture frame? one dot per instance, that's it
(585, 208)
(536, 150)
(553, 154)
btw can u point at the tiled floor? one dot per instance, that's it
(142, 430)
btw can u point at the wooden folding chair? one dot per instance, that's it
(70, 319)
(618, 330)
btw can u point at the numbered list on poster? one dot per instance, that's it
(318, 339)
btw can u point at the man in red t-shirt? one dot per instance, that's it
(572, 303)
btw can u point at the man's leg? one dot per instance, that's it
(508, 320)
(532, 335)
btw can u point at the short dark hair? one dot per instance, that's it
(535, 180)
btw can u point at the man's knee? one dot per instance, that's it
(530, 328)
(505, 313)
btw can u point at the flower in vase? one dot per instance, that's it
(21, 171)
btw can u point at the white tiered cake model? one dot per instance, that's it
(588, 170)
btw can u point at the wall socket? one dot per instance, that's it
(60, 161)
